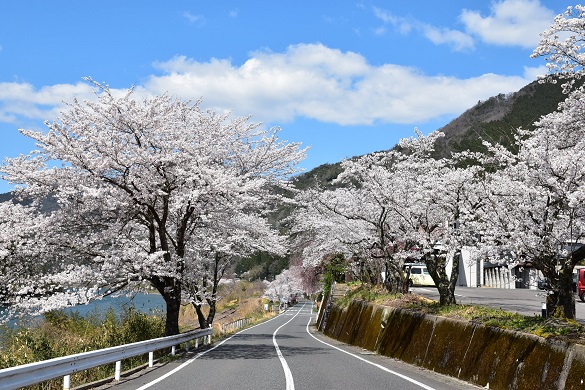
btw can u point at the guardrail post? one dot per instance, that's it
(173, 350)
(118, 370)
(197, 343)
(151, 359)
(187, 346)
(66, 382)
(209, 339)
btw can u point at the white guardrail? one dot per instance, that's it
(29, 374)
(235, 325)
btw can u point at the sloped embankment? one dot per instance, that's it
(472, 352)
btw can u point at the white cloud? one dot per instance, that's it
(193, 18)
(22, 100)
(456, 39)
(533, 73)
(309, 80)
(511, 22)
(385, 16)
(380, 30)
(402, 25)
(327, 85)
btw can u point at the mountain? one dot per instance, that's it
(495, 119)
(5, 197)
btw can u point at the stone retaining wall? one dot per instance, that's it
(479, 354)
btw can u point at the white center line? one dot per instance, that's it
(290, 383)
(147, 385)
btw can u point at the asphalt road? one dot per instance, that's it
(286, 353)
(523, 301)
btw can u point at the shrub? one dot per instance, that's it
(62, 333)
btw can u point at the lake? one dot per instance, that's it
(146, 303)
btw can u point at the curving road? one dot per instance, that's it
(286, 353)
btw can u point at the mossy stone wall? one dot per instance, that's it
(472, 352)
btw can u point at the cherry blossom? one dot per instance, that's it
(136, 180)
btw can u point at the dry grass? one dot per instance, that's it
(239, 300)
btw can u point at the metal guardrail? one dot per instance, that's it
(235, 325)
(28, 374)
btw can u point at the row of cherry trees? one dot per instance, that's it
(393, 207)
(154, 191)
(517, 206)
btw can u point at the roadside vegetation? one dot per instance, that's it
(61, 333)
(552, 327)
(240, 300)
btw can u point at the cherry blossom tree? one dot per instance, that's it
(336, 222)
(134, 181)
(227, 237)
(285, 285)
(396, 206)
(19, 245)
(435, 200)
(563, 47)
(537, 196)
(311, 272)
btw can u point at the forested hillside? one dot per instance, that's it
(497, 118)
(494, 120)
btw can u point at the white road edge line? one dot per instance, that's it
(369, 362)
(146, 386)
(290, 383)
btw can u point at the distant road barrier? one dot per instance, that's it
(29, 374)
(235, 325)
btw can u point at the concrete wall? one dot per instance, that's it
(472, 352)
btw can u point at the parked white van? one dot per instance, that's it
(419, 275)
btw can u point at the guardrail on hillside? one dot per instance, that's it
(235, 325)
(29, 374)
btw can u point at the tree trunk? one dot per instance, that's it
(454, 277)
(560, 302)
(172, 320)
(436, 266)
(211, 314)
(170, 290)
(203, 324)
(446, 296)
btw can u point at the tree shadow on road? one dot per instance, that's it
(257, 351)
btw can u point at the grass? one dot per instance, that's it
(240, 300)
(61, 333)
(558, 328)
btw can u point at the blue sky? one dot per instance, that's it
(345, 77)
